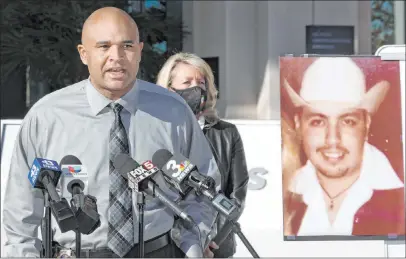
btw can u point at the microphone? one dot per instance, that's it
(44, 174)
(181, 173)
(140, 180)
(85, 205)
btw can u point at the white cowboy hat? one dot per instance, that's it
(337, 79)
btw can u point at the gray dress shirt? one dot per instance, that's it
(75, 121)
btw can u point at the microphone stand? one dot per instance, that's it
(78, 239)
(78, 236)
(236, 228)
(207, 188)
(78, 243)
(141, 203)
(47, 230)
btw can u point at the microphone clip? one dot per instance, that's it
(77, 201)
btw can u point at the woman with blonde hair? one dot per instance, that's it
(192, 78)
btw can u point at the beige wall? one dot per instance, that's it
(249, 36)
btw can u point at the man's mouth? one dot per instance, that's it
(116, 72)
(333, 156)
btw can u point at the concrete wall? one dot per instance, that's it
(400, 9)
(249, 36)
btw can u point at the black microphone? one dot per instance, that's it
(181, 173)
(178, 171)
(225, 230)
(140, 180)
(44, 174)
(86, 205)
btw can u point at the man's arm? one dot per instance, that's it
(23, 206)
(200, 209)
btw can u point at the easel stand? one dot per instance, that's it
(141, 203)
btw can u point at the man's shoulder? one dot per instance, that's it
(58, 98)
(163, 104)
(380, 198)
(159, 93)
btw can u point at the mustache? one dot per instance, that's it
(338, 148)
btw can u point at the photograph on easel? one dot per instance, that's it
(342, 154)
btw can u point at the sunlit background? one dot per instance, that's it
(241, 40)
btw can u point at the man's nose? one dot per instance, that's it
(333, 134)
(116, 53)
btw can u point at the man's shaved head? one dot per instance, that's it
(112, 14)
(111, 50)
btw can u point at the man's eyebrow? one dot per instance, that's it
(355, 113)
(315, 114)
(104, 42)
(128, 41)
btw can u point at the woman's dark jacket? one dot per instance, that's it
(227, 147)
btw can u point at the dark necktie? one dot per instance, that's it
(120, 217)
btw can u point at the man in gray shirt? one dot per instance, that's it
(87, 120)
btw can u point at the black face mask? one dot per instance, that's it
(195, 97)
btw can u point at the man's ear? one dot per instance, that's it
(82, 53)
(140, 47)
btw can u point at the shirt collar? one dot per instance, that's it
(98, 102)
(201, 121)
(376, 174)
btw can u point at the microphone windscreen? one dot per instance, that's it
(70, 160)
(74, 182)
(161, 157)
(124, 164)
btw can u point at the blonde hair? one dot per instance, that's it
(165, 77)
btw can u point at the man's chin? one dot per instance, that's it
(117, 85)
(333, 173)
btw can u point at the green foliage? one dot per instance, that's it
(44, 34)
(383, 23)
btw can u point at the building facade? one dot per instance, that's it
(249, 36)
